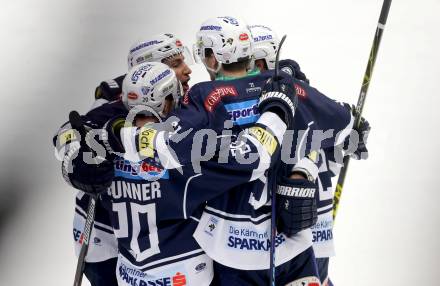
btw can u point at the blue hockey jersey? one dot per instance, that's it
(235, 228)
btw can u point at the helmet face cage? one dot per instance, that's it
(150, 84)
(265, 45)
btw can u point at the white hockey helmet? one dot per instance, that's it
(148, 85)
(229, 39)
(156, 49)
(265, 45)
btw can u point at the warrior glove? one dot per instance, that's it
(279, 96)
(292, 67)
(297, 199)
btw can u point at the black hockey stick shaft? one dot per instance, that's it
(362, 96)
(84, 240)
(76, 122)
(272, 187)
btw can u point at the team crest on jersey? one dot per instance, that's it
(253, 89)
(300, 91)
(200, 267)
(244, 112)
(211, 225)
(139, 170)
(214, 98)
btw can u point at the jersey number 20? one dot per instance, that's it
(138, 230)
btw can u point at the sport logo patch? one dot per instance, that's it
(179, 279)
(300, 91)
(213, 99)
(146, 144)
(145, 44)
(140, 72)
(265, 138)
(132, 96)
(322, 231)
(243, 112)
(145, 90)
(210, 28)
(200, 267)
(139, 170)
(262, 38)
(160, 76)
(67, 137)
(296, 192)
(133, 276)
(211, 225)
(244, 37)
(97, 240)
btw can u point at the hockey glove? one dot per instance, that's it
(297, 198)
(292, 67)
(89, 178)
(110, 89)
(279, 96)
(363, 130)
(92, 175)
(358, 150)
(296, 205)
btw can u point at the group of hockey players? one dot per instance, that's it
(186, 177)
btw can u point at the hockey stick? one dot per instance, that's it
(362, 96)
(272, 186)
(76, 122)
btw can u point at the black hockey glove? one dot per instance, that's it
(292, 67)
(110, 89)
(279, 96)
(358, 150)
(296, 204)
(363, 131)
(90, 178)
(91, 175)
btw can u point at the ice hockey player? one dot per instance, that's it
(102, 252)
(234, 229)
(266, 43)
(146, 202)
(165, 48)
